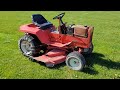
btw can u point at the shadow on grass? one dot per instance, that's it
(94, 58)
(97, 58)
(59, 65)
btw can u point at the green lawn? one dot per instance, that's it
(104, 63)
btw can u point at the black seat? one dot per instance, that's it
(41, 22)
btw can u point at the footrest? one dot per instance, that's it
(57, 44)
(55, 52)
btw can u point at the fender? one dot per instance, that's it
(43, 35)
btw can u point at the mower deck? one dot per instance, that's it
(54, 56)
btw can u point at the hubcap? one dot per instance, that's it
(73, 62)
(26, 47)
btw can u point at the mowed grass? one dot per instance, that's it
(104, 63)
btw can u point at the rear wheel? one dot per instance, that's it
(29, 46)
(75, 61)
(88, 50)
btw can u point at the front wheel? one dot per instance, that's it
(75, 61)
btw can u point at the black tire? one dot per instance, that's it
(29, 45)
(75, 61)
(89, 50)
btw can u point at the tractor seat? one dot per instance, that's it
(41, 22)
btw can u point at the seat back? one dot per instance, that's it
(41, 22)
(38, 18)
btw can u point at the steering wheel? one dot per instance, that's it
(59, 16)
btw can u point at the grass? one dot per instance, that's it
(104, 63)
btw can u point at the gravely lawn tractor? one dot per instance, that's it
(53, 45)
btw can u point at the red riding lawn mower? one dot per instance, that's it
(53, 45)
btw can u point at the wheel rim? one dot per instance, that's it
(26, 47)
(91, 46)
(86, 49)
(74, 63)
(89, 50)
